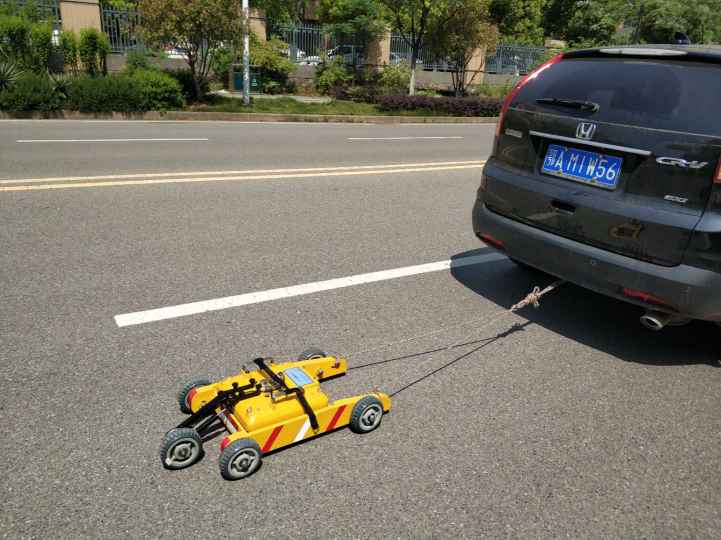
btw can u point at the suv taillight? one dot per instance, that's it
(513, 93)
(717, 175)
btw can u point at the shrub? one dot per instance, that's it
(272, 87)
(41, 46)
(269, 57)
(492, 90)
(31, 92)
(69, 47)
(93, 48)
(466, 106)
(15, 38)
(332, 78)
(221, 61)
(28, 44)
(120, 93)
(135, 60)
(160, 91)
(141, 91)
(187, 86)
(395, 78)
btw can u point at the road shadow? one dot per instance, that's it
(592, 319)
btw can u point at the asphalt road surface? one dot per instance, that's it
(567, 421)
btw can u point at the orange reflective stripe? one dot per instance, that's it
(336, 417)
(273, 436)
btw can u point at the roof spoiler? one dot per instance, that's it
(671, 52)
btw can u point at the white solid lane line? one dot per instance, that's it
(246, 171)
(108, 140)
(194, 308)
(400, 138)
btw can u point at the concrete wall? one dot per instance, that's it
(495, 79)
(79, 14)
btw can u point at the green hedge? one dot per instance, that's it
(31, 92)
(115, 93)
(159, 90)
(143, 90)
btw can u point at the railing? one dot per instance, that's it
(307, 43)
(514, 59)
(121, 26)
(47, 10)
(401, 51)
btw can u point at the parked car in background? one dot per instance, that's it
(349, 54)
(606, 172)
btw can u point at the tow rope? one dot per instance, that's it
(531, 299)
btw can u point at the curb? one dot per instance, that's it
(249, 117)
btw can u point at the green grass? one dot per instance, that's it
(291, 106)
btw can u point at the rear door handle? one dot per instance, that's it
(563, 207)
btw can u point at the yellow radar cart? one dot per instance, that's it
(266, 407)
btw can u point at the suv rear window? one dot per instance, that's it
(662, 94)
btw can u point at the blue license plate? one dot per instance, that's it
(582, 166)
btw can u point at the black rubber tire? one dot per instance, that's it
(183, 394)
(181, 448)
(311, 353)
(230, 469)
(366, 415)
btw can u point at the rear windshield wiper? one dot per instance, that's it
(571, 103)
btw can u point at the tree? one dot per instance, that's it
(280, 11)
(459, 35)
(593, 23)
(658, 20)
(196, 27)
(519, 21)
(353, 21)
(411, 19)
(604, 22)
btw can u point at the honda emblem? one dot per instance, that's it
(585, 131)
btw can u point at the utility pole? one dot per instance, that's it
(246, 53)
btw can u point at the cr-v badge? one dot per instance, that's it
(586, 131)
(678, 162)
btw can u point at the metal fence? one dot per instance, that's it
(48, 10)
(401, 52)
(121, 26)
(307, 43)
(514, 59)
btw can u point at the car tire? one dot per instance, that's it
(181, 448)
(185, 391)
(312, 353)
(366, 415)
(240, 459)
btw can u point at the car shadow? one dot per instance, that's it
(592, 319)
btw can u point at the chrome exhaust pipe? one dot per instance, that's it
(655, 320)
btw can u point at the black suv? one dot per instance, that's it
(606, 172)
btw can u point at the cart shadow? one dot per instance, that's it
(589, 318)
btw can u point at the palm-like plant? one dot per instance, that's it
(9, 74)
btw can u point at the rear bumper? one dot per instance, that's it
(693, 292)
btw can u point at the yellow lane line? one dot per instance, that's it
(44, 187)
(223, 173)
